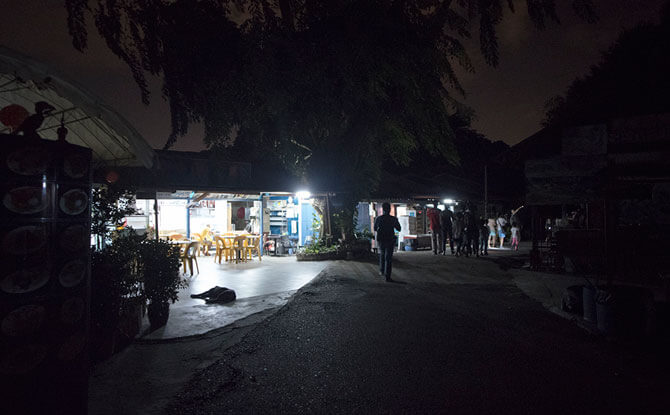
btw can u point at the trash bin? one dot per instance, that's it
(589, 298)
(573, 301)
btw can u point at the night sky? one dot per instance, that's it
(508, 100)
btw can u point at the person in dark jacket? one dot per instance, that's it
(385, 226)
(446, 218)
(483, 237)
(473, 233)
(458, 233)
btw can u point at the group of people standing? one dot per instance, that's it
(461, 229)
(466, 234)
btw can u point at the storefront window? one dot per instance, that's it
(172, 217)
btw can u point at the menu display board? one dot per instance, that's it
(45, 274)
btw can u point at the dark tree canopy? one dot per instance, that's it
(632, 78)
(334, 85)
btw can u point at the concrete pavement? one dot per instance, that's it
(259, 285)
(454, 334)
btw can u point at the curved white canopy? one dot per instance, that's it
(90, 122)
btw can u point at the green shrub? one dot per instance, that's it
(320, 247)
(159, 263)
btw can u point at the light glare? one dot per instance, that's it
(303, 194)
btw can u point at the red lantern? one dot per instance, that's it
(112, 176)
(13, 115)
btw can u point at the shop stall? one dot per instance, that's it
(285, 220)
(414, 234)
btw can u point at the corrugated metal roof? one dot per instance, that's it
(90, 122)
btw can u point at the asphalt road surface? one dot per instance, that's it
(453, 335)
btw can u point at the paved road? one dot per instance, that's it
(455, 336)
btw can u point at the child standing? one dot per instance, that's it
(516, 233)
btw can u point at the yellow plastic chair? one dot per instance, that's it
(239, 248)
(223, 248)
(218, 242)
(254, 245)
(207, 238)
(197, 237)
(176, 236)
(189, 256)
(228, 244)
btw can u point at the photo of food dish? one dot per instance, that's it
(22, 359)
(23, 321)
(72, 273)
(76, 165)
(25, 280)
(73, 202)
(74, 239)
(25, 240)
(26, 200)
(72, 310)
(28, 161)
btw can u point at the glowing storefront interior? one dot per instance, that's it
(275, 215)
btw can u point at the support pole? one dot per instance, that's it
(156, 215)
(486, 192)
(330, 232)
(262, 219)
(299, 221)
(188, 219)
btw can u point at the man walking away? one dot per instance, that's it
(384, 227)
(435, 229)
(445, 220)
(466, 234)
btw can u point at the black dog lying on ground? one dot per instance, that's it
(216, 295)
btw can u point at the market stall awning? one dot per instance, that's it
(91, 123)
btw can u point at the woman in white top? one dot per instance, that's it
(492, 232)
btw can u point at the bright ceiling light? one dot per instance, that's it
(448, 201)
(303, 194)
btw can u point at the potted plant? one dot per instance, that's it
(110, 203)
(605, 313)
(160, 271)
(114, 284)
(362, 244)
